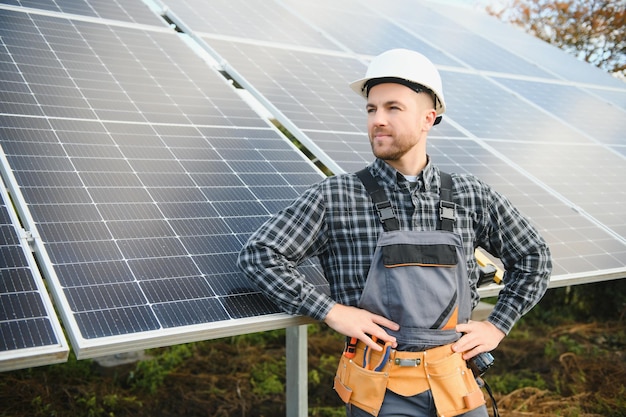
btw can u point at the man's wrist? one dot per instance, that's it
(331, 306)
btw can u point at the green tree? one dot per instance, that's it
(592, 30)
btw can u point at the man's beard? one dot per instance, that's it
(397, 150)
(388, 154)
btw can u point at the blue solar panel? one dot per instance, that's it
(140, 170)
(519, 124)
(134, 11)
(31, 333)
(265, 21)
(136, 179)
(584, 110)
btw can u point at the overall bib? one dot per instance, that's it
(417, 279)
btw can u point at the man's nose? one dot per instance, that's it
(378, 118)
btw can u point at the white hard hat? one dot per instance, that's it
(404, 67)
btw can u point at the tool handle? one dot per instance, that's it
(350, 349)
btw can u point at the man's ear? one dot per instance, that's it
(429, 119)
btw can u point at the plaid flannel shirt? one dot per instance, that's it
(335, 221)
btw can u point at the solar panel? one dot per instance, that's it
(265, 21)
(132, 11)
(512, 122)
(577, 244)
(541, 54)
(587, 112)
(31, 332)
(368, 29)
(140, 171)
(144, 173)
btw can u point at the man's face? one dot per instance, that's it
(398, 121)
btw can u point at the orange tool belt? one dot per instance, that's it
(454, 388)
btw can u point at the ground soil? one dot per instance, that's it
(572, 369)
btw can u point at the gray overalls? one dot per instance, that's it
(417, 279)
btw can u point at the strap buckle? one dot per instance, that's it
(385, 211)
(447, 210)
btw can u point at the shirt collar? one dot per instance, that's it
(390, 175)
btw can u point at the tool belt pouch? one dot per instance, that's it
(361, 387)
(454, 389)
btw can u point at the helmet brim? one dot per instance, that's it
(358, 86)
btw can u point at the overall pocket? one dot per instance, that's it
(361, 387)
(402, 254)
(454, 389)
(421, 285)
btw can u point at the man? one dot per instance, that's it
(403, 363)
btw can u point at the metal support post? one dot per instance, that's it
(297, 371)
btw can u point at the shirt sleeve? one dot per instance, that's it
(271, 255)
(526, 258)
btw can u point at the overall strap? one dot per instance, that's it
(380, 200)
(447, 208)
